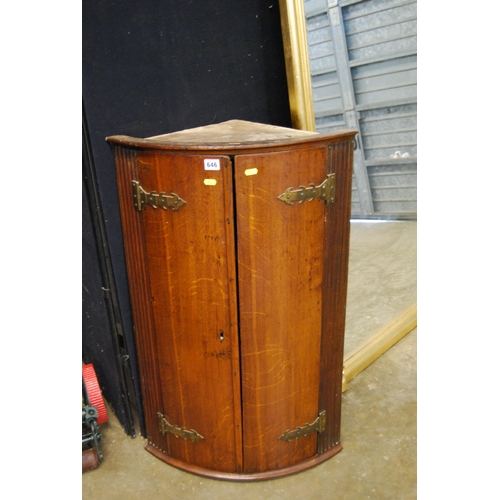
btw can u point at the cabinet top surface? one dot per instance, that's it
(229, 134)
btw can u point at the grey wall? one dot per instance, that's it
(363, 57)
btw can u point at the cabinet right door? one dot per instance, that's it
(280, 249)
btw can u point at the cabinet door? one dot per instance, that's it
(192, 282)
(280, 275)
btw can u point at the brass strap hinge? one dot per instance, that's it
(162, 200)
(319, 425)
(178, 432)
(325, 191)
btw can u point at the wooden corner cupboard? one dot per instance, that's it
(237, 243)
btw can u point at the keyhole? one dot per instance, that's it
(221, 335)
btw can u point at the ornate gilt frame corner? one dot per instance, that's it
(298, 73)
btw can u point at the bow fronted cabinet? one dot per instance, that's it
(237, 244)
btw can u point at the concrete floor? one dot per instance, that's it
(382, 277)
(379, 458)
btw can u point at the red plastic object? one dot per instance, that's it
(94, 392)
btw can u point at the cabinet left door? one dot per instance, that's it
(182, 273)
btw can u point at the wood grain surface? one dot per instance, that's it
(280, 263)
(239, 301)
(335, 271)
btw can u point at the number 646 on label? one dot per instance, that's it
(211, 164)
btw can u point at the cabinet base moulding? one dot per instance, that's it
(259, 476)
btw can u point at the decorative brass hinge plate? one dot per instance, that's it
(162, 200)
(178, 432)
(325, 191)
(319, 425)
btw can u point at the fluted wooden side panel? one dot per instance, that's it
(336, 248)
(135, 253)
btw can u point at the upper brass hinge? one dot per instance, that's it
(325, 191)
(319, 425)
(162, 200)
(178, 432)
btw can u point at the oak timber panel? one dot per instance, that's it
(280, 271)
(136, 260)
(190, 257)
(336, 247)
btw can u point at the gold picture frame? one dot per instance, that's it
(298, 73)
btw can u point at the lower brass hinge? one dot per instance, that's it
(319, 425)
(178, 432)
